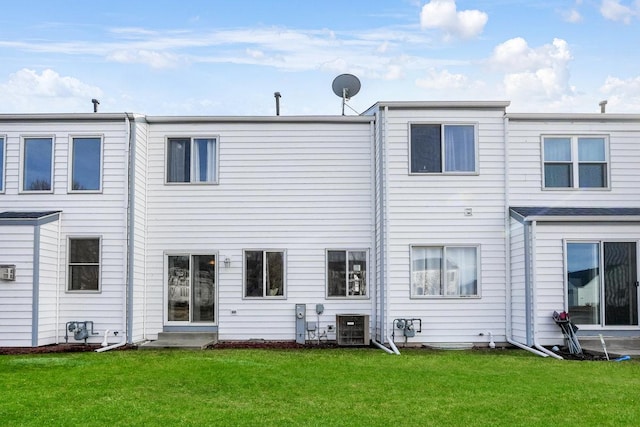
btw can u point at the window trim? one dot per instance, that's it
(575, 162)
(442, 124)
(68, 265)
(192, 138)
(3, 164)
(367, 293)
(70, 171)
(22, 173)
(264, 290)
(477, 247)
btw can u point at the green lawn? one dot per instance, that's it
(316, 387)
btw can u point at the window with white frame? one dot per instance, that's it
(84, 264)
(37, 167)
(86, 163)
(192, 160)
(2, 148)
(446, 271)
(346, 273)
(575, 162)
(438, 148)
(264, 274)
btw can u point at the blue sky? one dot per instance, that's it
(214, 57)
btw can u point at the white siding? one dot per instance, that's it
(139, 230)
(518, 282)
(525, 177)
(550, 271)
(429, 210)
(300, 187)
(16, 298)
(91, 214)
(48, 289)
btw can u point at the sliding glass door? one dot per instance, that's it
(602, 282)
(191, 288)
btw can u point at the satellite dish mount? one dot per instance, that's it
(346, 86)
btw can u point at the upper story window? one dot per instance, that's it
(575, 162)
(346, 273)
(440, 148)
(445, 271)
(37, 168)
(86, 162)
(192, 160)
(84, 264)
(2, 148)
(264, 274)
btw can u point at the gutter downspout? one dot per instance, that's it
(58, 284)
(111, 347)
(507, 228)
(128, 305)
(534, 296)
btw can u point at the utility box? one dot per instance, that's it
(352, 329)
(8, 272)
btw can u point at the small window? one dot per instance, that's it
(346, 273)
(2, 165)
(38, 164)
(449, 271)
(575, 162)
(192, 160)
(430, 155)
(264, 274)
(86, 161)
(84, 264)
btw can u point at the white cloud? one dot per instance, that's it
(622, 95)
(572, 16)
(28, 91)
(442, 80)
(153, 59)
(613, 10)
(534, 73)
(443, 15)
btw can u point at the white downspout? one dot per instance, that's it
(381, 347)
(58, 284)
(111, 347)
(507, 228)
(534, 299)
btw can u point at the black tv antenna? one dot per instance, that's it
(346, 86)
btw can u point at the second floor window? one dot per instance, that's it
(38, 164)
(192, 160)
(438, 148)
(575, 162)
(86, 164)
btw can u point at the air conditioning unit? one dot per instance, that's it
(352, 329)
(8, 272)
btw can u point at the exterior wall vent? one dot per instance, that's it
(8, 272)
(352, 329)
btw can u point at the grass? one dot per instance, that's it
(337, 387)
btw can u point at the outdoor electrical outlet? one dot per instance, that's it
(330, 328)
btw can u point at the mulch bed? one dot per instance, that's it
(59, 348)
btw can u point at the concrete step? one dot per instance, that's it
(193, 340)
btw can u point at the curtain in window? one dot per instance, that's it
(178, 160)
(557, 149)
(459, 146)
(204, 153)
(427, 269)
(461, 277)
(591, 150)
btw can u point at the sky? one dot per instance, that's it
(227, 58)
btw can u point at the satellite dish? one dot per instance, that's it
(345, 86)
